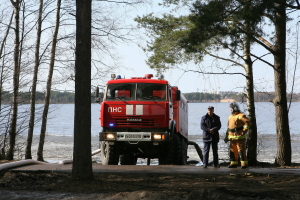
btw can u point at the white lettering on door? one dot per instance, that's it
(114, 109)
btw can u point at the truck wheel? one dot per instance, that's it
(173, 153)
(109, 154)
(128, 159)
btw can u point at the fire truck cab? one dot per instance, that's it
(142, 117)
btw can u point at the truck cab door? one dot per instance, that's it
(170, 104)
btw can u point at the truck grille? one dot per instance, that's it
(124, 122)
(133, 136)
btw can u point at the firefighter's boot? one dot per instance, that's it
(244, 162)
(233, 161)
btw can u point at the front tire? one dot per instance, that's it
(172, 154)
(183, 158)
(109, 155)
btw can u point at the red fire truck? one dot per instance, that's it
(142, 117)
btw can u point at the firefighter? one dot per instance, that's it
(238, 125)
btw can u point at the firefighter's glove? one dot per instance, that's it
(226, 139)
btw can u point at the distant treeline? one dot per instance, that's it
(258, 96)
(55, 97)
(202, 97)
(65, 97)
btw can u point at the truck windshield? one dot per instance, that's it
(120, 91)
(151, 91)
(136, 91)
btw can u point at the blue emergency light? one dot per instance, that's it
(111, 124)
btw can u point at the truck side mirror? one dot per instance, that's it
(98, 96)
(178, 94)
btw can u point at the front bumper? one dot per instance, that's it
(134, 136)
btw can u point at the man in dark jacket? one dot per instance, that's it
(210, 124)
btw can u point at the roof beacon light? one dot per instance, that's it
(119, 77)
(148, 76)
(161, 77)
(113, 76)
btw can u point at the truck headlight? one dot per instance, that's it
(110, 136)
(158, 137)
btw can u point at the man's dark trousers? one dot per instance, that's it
(206, 153)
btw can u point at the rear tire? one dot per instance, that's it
(109, 155)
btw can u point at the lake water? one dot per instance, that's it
(61, 118)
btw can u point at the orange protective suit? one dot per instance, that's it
(238, 125)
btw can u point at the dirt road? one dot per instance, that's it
(53, 181)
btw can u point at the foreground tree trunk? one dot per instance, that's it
(284, 150)
(252, 134)
(82, 161)
(34, 81)
(16, 83)
(2, 80)
(48, 87)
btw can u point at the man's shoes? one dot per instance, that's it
(244, 167)
(217, 166)
(232, 166)
(204, 166)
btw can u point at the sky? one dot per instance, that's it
(134, 60)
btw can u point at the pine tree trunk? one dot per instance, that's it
(48, 87)
(16, 76)
(284, 151)
(34, 81)
(82, 161)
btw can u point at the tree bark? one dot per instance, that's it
(49, 83)
(82, 161)
(252, 133)
(284, 150)
(34, 81)
(16, 83)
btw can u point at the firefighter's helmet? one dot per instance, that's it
(235, 107)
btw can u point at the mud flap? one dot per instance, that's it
(128, 159)
(172, 129)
